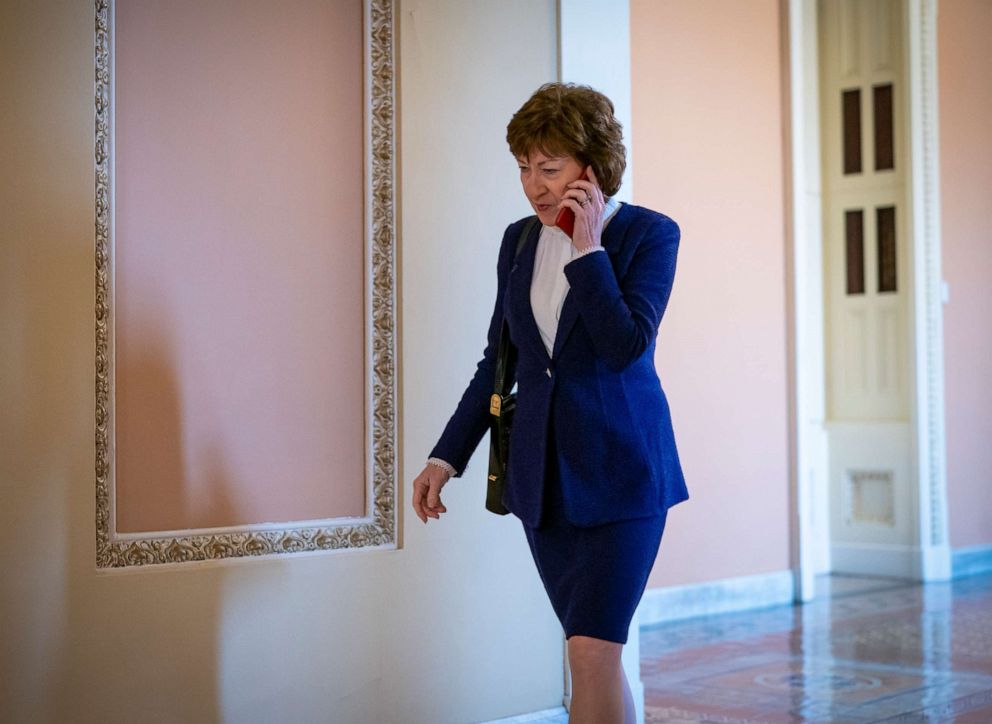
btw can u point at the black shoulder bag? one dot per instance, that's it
(501, 406)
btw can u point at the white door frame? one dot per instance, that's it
(810, 531)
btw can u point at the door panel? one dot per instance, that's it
(866, 294)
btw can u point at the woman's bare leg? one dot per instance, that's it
(598, 681)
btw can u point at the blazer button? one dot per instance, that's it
(548, 370)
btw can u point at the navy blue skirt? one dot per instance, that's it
(595, 576)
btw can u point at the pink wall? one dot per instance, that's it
(239, 257)
(965, 66)
(708, 151)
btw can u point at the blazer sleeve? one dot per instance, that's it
(623, 316)
(470, 420)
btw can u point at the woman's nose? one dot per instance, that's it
(532, 185)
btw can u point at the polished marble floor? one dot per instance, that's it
(865, 650)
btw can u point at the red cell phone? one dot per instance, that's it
(566, 217)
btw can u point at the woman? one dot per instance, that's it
(593, 466)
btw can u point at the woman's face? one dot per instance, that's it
(545, 179)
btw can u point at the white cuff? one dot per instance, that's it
(443, 464)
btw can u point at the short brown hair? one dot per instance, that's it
(574, 120)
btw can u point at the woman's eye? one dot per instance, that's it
(551, 171)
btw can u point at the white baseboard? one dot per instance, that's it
(672, 603)
(971, 561)
(876, 559)
(545, 715)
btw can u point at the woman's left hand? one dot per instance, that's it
(586, 200)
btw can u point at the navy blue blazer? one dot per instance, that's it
(613, 433)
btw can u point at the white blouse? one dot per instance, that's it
(549, 286)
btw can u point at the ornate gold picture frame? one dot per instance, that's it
(378, 528)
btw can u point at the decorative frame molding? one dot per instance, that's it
(378, 528)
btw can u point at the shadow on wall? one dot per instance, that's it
(158, 486)
(145, 641)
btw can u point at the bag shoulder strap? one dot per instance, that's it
(524, 233)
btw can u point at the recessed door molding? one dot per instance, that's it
(930, 552)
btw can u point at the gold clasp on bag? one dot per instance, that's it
(495, 404)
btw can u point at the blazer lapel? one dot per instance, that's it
(521, 275)
(612, 235)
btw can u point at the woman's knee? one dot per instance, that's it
(590, 656)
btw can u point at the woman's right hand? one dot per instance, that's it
(427, 492)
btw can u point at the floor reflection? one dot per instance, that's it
(865, 650)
